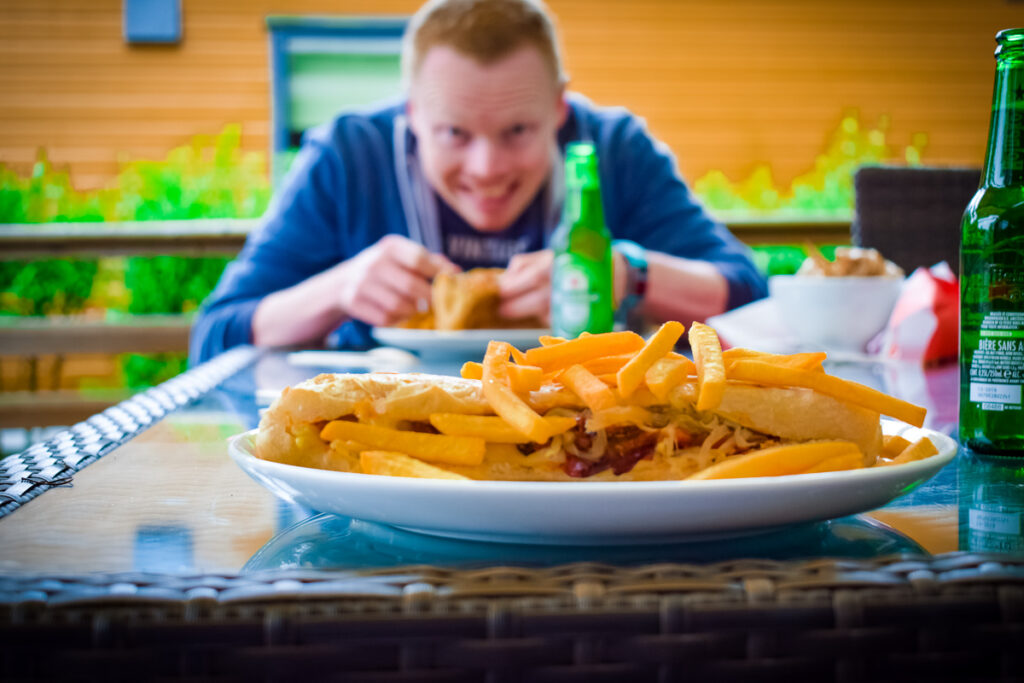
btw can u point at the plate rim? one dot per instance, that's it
(451, 344)
(525, 508)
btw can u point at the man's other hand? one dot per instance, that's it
(389, 281)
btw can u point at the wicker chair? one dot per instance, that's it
(912, 215)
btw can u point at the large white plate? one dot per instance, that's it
(454, 342)
(596, 512)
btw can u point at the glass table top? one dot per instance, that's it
(170, 500)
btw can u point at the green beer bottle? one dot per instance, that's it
(581, 278)
(992, 273)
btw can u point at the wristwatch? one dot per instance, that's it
(636, 282)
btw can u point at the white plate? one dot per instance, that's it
(596, 512)
(455, 342)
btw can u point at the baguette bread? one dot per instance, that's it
(672, 442)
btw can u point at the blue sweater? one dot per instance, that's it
(357, 179)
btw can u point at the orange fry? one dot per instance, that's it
(893, 445)
(498, 392)
(495, 365)
(800, 361)
(591, 390)
(707, 355)
(525, 378)
(919, 450)
(777, 460)
(666, 373)
(582, 349)
(850, 461)
(661, 342)
(401, 465)
(472, 370)
(759, 372)
(548, 340)
(517, 355)
(491, 427)
(454, 450)
(607, 364)
(522, 378)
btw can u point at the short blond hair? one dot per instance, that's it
(484, 30)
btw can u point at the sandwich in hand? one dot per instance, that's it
(468, 300)
(610, 407)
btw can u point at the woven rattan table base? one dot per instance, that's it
(948, 618)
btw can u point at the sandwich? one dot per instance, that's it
(332, 420)
(468, 300)
(607, 407)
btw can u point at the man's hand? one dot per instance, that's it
(388, 281)
(526, 286)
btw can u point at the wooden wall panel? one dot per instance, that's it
(726, 83)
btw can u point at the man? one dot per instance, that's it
(465, 173)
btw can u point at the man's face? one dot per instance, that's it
(485, 134)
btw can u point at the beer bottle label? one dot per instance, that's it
(580, 302)
(997, 364)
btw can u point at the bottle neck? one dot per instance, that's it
(583, 206)
(1004, 159)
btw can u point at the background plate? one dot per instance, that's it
(456, 342)
(597, 512)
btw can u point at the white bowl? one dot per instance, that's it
(840, 313)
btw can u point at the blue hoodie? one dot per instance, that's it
(357, 179)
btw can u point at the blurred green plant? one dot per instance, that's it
(142, 370)
(46, 287)
(211, 177)
(826, 188)
(171, 284)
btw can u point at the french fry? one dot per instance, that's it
(454, 450)
(777, 460)
(707, 355)
(472, 370)
(618, 415)
(401, 465)
(583, 348)
(525, 378)
(498, 392)
(760, 372)
(850, 461)
(515, 412)
(919, 450)
(607, 364)
(661, 342)
(892, 445)
(666, 373)
(548, 340)
(800, 361)
(591, 390)
(522, 378)
(492, 428)
(609, 378)
(517, 355)
(495, 365)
